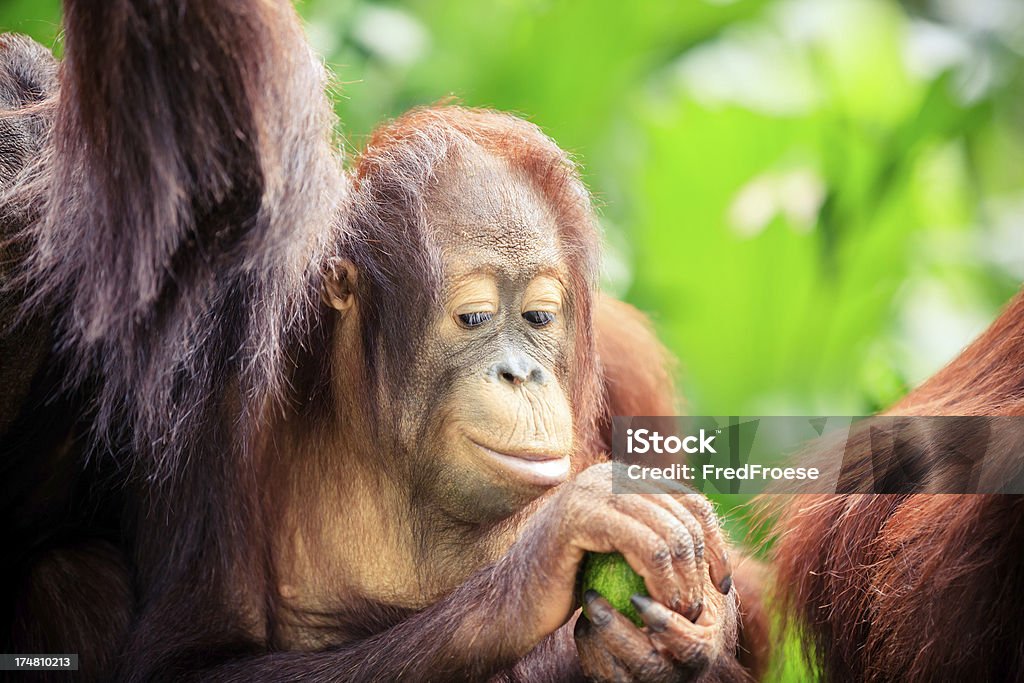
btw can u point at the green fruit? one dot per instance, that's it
(610, 575)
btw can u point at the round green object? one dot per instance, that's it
(610, 575)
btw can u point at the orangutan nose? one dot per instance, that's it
(518, 370)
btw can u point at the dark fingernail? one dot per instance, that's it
(641, 602)
(646, 607)
(597, 612)
(726, 585)
(695, 609)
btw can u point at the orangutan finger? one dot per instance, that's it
(716, 547)
(628, 645)
(691, 645)
(596, 660)
(647, 552)
(676, 535)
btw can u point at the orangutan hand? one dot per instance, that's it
(670, 647)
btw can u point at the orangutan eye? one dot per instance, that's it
(538, 318)
(474, 319)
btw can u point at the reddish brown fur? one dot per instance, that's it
(917, 587)
(179, 221)
(638, 380)
(756, 647)
(390, 178)
(632, 387)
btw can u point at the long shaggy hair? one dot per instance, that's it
(911, 586)
(180, 216)
(179, 249)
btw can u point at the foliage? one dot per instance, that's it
(818, 201)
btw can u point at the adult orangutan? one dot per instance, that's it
(358, 415)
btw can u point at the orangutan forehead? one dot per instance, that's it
(482, 209)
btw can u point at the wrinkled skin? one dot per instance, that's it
(486, 413)
(671, 646)
(315, 521)
(671, 539)
(500, 383)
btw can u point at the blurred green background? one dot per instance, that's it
(818, 201)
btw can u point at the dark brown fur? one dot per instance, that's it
(76, 599)
(179, 222)
(68, 587)
(27, 79)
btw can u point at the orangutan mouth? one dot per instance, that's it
(541, 468)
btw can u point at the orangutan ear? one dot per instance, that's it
(339, 284)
